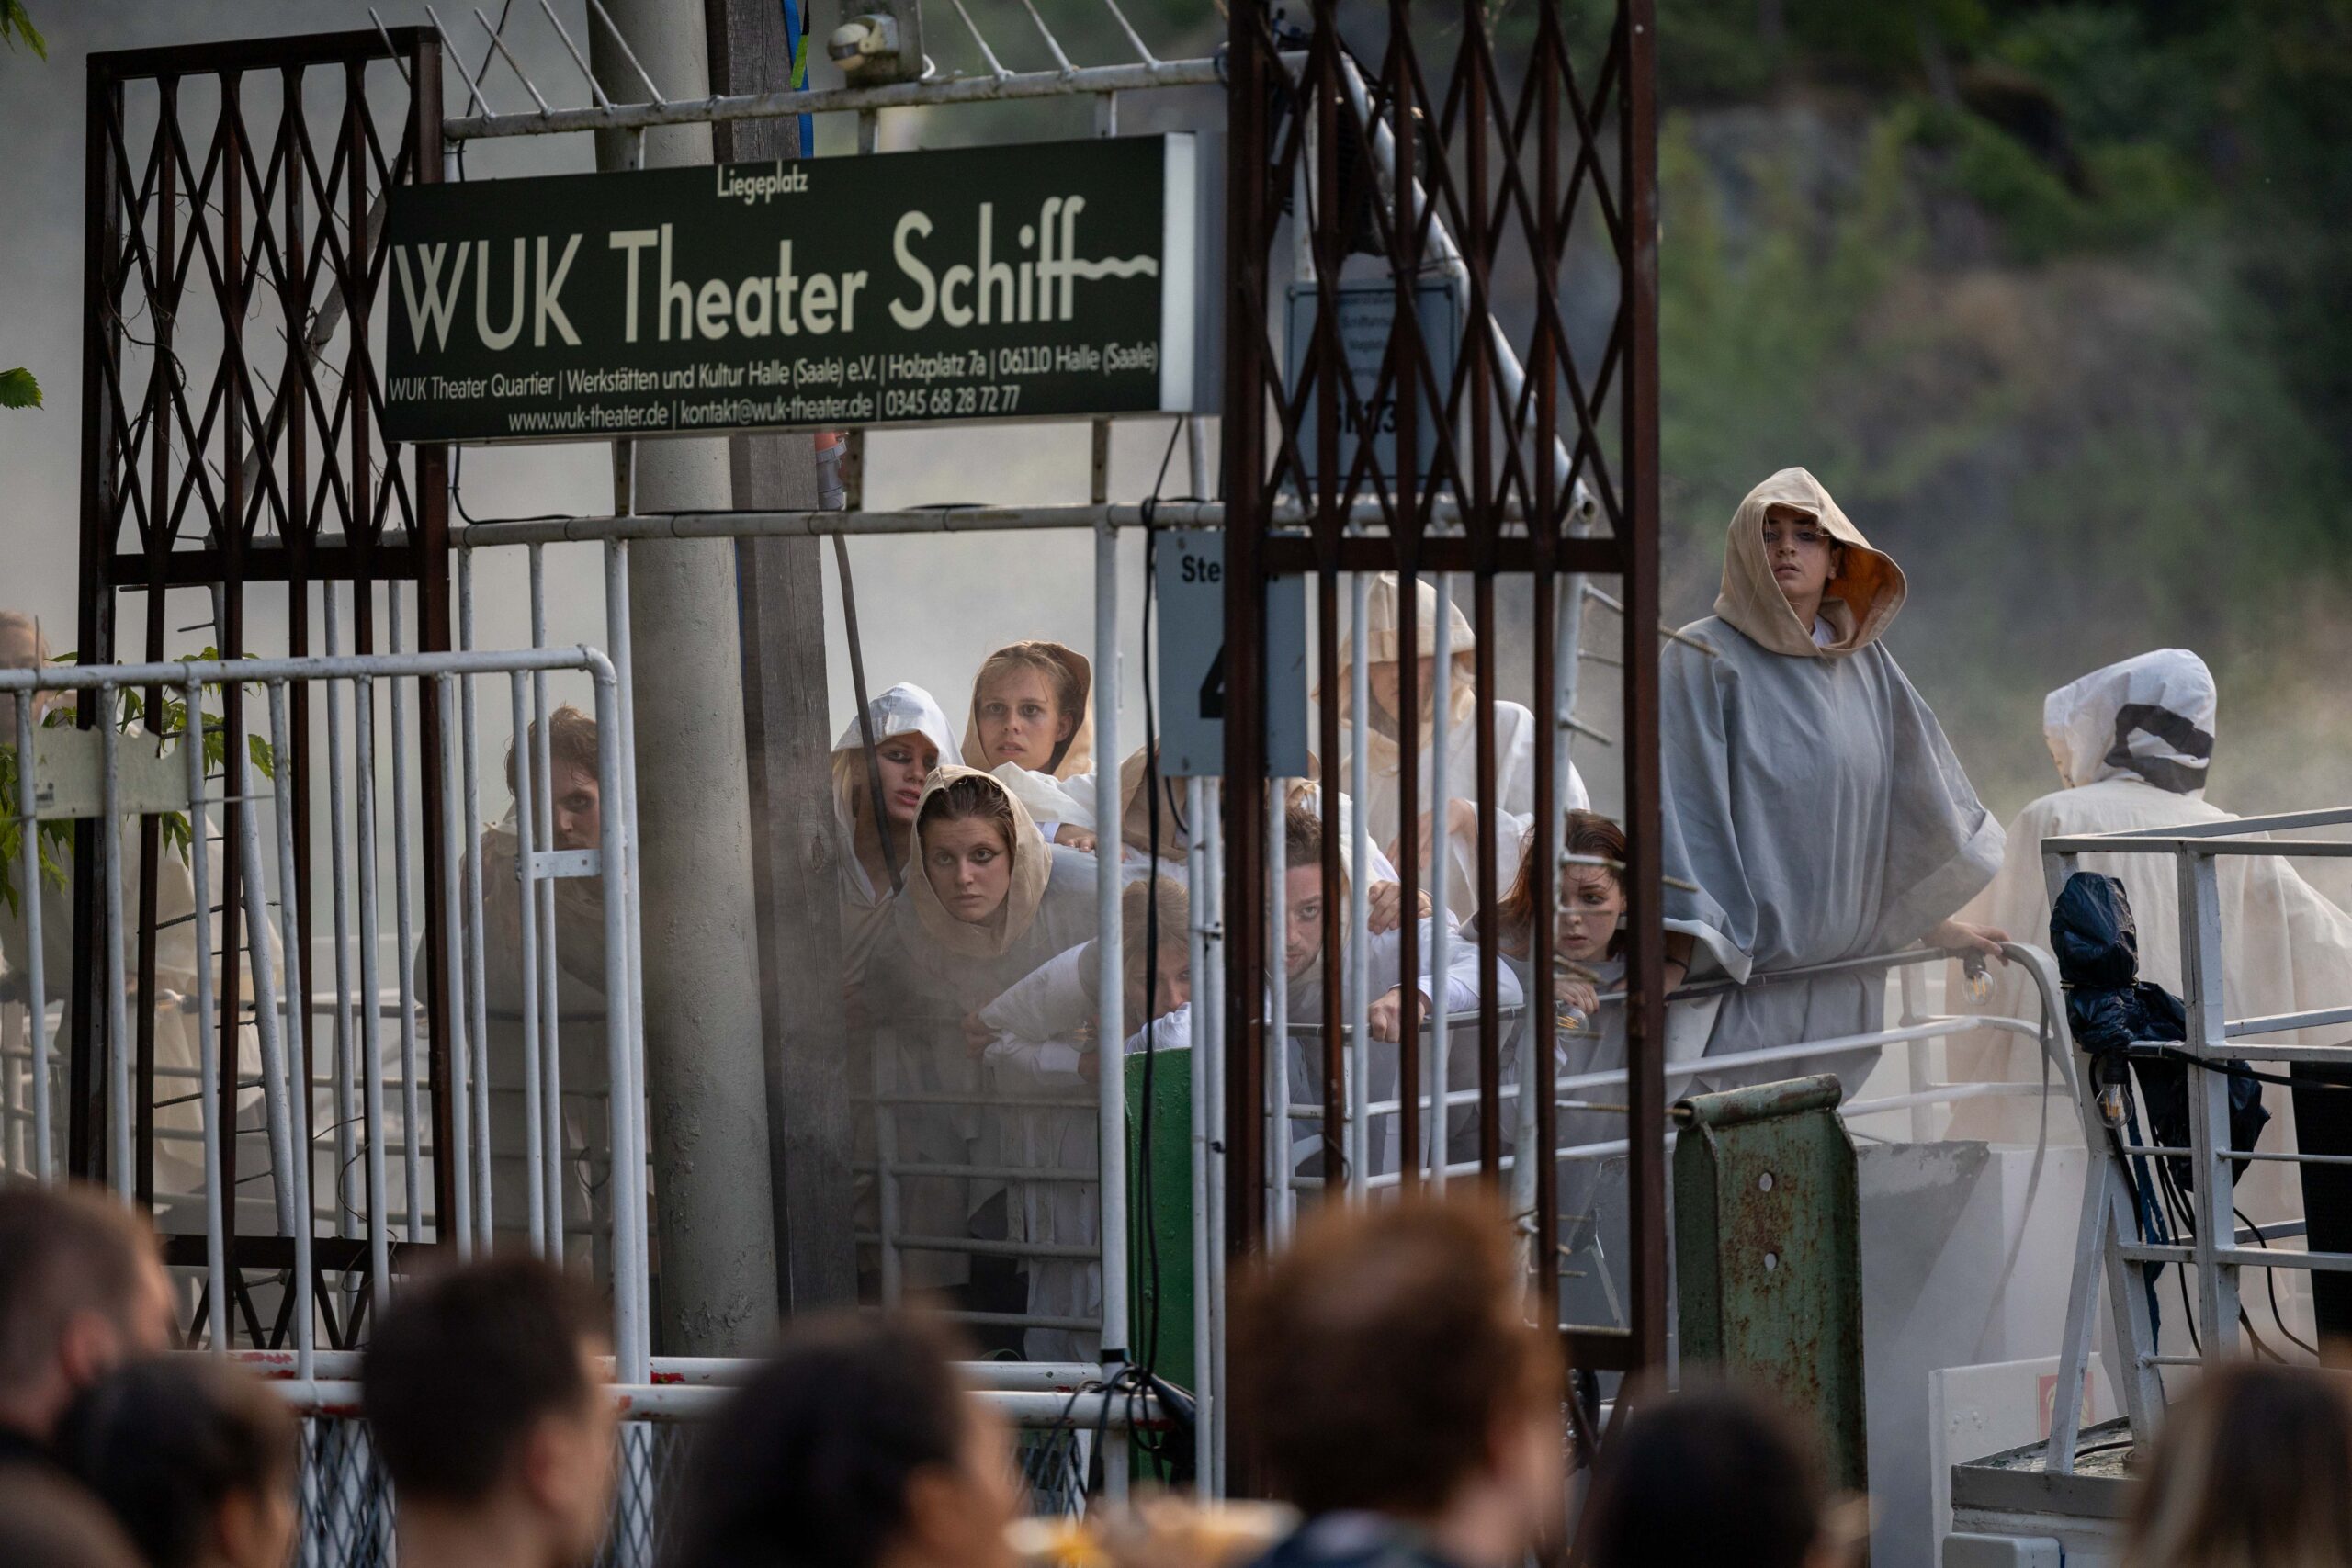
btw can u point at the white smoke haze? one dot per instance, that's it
(930, 607)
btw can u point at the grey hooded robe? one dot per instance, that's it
(1810, 794)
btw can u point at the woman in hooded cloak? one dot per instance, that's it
(1810, 794)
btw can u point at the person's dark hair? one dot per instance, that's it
(1375, 1358)
(809, 1465)
(966, 796)
(48, 1522)
(1582, 833)
(1713, 1475)
(2249, 1470)
(63, 1250)
(163, 1442)
(1302, 836)
(465, 1365)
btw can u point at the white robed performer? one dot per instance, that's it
(1382, 791)
(910, 739)
(1810, 794)
(2133, 743)
(991, 903)
(1044, 1046)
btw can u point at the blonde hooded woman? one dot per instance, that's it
(1381, 793)
(988, 901)
(1031, 725)
(1810, 794)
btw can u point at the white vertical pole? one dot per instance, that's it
(372, 1058)
(456, 821)
(269, 1024)
(1110, 972)
(528, 942)
(476, 970)
(2209, 1101)
(1204, 1122)
(208, 1054)
(542, 889)
(1441, 849)
(29, 882)
(1359, 951)
(346, 1110)
(1278, 1145)
(404, 951)
(118, 1116)
(630, 1285)
(289, 906)
(1212, 828)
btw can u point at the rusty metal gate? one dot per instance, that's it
(230, 446)
(1513, 151)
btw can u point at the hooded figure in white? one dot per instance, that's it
(1810, 792)
(940, 965)
(1381, 791)
(908, 724)
(1045, 1033)
(2133, 743)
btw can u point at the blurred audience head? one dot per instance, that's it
(486, 1402)
(856, 1447)
(82, 1290)
(2253, 1466)
(1713, 1475)
(197, 1460)
(1385, 1363)
(46, 1521)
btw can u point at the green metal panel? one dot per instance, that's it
(1165, 1223)
(1767, 1252)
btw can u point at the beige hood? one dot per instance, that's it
(1032, 866)
(1076, 753)
(1861, 602)
(1383, 641)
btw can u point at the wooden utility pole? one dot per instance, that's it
(781, 585)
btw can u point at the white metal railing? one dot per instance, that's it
(365, 1073)
(2112, 1247)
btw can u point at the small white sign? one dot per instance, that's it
(1188, 576)
(69, 775)
(1366, 311)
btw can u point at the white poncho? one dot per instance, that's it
(2132, 743)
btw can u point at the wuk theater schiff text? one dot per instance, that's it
(1051, 281)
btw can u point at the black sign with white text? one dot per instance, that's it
(1044, 280)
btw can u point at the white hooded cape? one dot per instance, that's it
(1382, 791)
(2123, 738)
(904, 709)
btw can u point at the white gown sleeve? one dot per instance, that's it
(1052, 1001)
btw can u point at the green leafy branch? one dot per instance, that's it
(17, 25)
(17, 388)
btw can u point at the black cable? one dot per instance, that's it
(2240, 1070)
(2271, 1279)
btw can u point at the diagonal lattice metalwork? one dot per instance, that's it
(231, 442)
(1503, 158)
